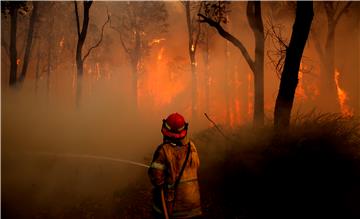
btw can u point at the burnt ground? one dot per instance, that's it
(310, 171)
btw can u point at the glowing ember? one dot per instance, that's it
(192, 47)
(156, 41)
(61, 43)
(18, 61)
(343, 97)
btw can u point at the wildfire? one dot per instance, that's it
(160, 84)
(192, 47)
(18, 61)
(343, 97)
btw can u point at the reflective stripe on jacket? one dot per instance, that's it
(163, 172)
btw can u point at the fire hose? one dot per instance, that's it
(87, 156)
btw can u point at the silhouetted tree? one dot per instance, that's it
(214, 15)
(139, 24)
(12, 8)
(29, 40)
(289, 76)
(82, 32)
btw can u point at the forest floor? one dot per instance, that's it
(309, 171)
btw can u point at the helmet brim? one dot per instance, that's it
(174, 135)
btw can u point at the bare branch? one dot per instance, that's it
(276, 55)
(217, 127)
(100, 40)
(337, 18)
(120, 35)
(230, 38)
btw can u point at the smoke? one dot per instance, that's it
(41, 116)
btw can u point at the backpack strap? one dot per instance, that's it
(181, 172)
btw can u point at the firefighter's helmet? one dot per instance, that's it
(174, 126)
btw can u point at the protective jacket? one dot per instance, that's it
(184, 200)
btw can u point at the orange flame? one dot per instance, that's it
(17, 61)
(343, 97)
(300, 91)
(160, 84)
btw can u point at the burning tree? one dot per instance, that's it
(289, 76)
(194, 31)
(139, 25)
(326, 49)
(214, 15)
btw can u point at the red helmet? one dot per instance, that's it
(174, 126)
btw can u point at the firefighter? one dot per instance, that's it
(174, 172)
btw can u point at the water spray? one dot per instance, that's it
(87, 156)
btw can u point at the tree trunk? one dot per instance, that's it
(289, 76)
(193, 85)
(13, 51)
(134, 84)
(192, 52)
(206, 72)
(29, 41)
(226, 86)
(37, 70)
(329, 92)
(135, 65)
(49, 57)
(81, 39)
(257, 26)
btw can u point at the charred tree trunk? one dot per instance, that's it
(192, 45)
(13, 51)
(134, 83)
(226, 83)
(29, 41)
(256, 24)
(37, 70)
(329, 89)
(289, 76)
(206, 72)
(80, 43)
(136, 68)
(49, 56)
